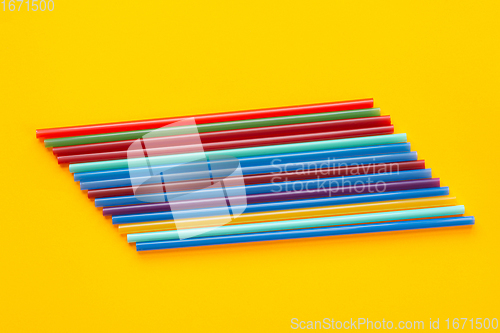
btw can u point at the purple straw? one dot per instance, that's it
(280, 196)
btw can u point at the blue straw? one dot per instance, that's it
(307, 233)
(289, 167)
(259, 160)
(309, 184)
(283, 205)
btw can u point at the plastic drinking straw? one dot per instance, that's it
(191, 175)
(204, 119)
(115, 155)
(293, 214)
(242, 152)
(217, 206)
(307, 233)
(162, 211)
(290, 214)
(274, 187)
(232, 135)
(158, 202)
(302, 204)
(303, 157)
(213, 127)
(273, 197)
(164, 206)
(257, 179)
(316, 222)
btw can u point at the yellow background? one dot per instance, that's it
(432, 65)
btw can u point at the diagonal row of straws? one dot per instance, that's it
(260, 175)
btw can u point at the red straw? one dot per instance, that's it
(61, 132)
(117, 155)
(230, 135)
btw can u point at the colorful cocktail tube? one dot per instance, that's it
(293, 172)
(306, 233)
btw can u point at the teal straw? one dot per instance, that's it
(297, 224)
(240, 152)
